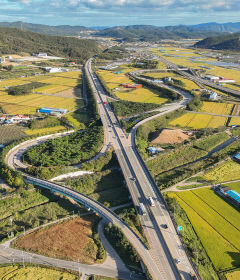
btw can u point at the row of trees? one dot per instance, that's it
(24, 89)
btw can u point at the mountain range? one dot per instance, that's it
(138, 32)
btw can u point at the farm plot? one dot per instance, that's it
(70, 74)
(219, 205)
(143, 95)
(217, 247)
(61, 81)
(51, 89)
(11, 133)
(217, 108)
(35, 101)
(198, 121)
(34, 273)
(235, 121)
(13, 82)
(236, 110)
(71, 240)
(112, 80)
(225, 172)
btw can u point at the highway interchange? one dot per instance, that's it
(165, 245)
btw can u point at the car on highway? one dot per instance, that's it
(177, 261)
(133, 179)
(151, 201)
(164, 226)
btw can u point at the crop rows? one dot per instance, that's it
(217, 108)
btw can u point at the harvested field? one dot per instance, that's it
(170, 136)
(70, 93)
(71, 240)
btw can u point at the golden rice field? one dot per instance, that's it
(217, 108)
(198, 121)
(61, 81)
(13, 82)
(233, 275)
(35, 101)
(51, 89)
(56, 83)
(112, 80)
(234, 121)
(46, 130)
(225, 172)
(226, 73)
(14, 272)
(70, 74)
(143, 95)
(215, 223)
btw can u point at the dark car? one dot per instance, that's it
(164, 226)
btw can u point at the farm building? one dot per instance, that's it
(237, 157)
(52, 69)
(213, 96)
(132, 86)
(167, 79)
(233, 195)
(154, 150)
(52, 111)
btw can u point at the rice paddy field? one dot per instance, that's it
(14, 272)
(225, 172)
(11, 133)
(217, 108)
(198, 121)
(235, 275)
(142, 95)
(216, 223)
(60, 92)
(234, 121)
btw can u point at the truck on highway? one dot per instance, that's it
(142, 208)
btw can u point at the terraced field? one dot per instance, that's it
(217, 108)
(11, 83)
(224, 172)
(198, 121)
(216, 223)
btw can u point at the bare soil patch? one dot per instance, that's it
(170, 136)
(71, 240)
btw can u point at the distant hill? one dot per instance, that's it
(61, 30)
(230, 27)
(153, 33)
(224, 42)
(16, 41)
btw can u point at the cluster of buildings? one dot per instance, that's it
(217, 79)
(135, 86)
(17, 119)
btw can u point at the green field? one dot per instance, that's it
(216, 223)
(11, 133)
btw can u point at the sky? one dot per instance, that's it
(120, 12)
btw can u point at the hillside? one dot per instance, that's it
(16, 41)
(152, 33)
(219, 27)
(61, 30)
(225, 42)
